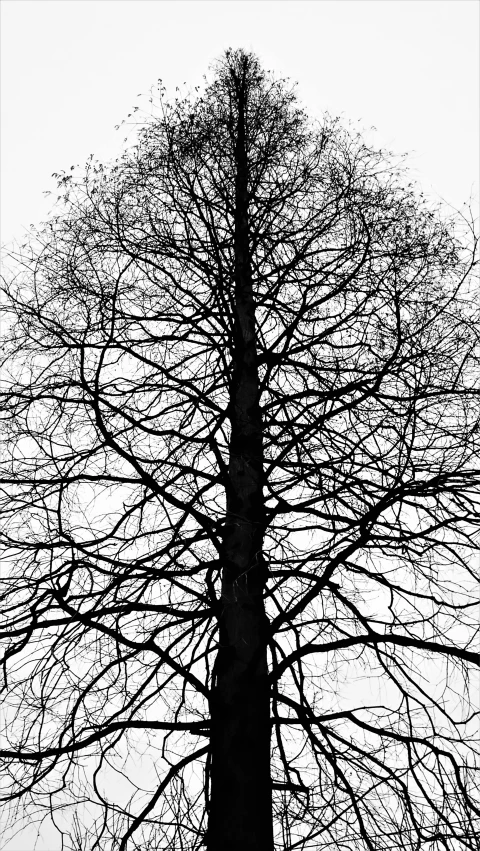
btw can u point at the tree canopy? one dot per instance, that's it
(240, 493)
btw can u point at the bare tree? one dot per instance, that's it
(240, 494)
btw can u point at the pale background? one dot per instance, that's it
(72, 70)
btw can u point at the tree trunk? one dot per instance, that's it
(240, 815)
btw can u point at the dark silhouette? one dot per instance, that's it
(240, 494)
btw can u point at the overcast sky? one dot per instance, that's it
(72, 70)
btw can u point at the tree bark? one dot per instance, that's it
(240, 815)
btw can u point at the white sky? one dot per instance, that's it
(72, 69)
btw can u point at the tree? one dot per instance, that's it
(240, 408)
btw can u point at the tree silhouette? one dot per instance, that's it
(240, 494)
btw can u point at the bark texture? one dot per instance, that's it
(241, 798)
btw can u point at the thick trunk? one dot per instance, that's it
(240, 814)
